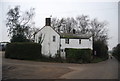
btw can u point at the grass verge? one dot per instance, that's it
(98, 59)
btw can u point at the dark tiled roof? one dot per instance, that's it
(75, 36)
(71, 35)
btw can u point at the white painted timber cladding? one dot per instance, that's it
(48, 46)
(74, 43)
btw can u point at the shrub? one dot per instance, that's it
(116, 52)
(101, 49)
(78, 55)
(26, 51)
(3, 47)
(19, 38)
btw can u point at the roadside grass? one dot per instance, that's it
(98, 59)
(47, 59)
(56, 60)
(60, 60)
(117, 57)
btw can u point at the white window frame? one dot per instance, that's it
(66, 41)
(79, 41)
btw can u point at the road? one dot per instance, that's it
(103, 70)
(44, 70)
(0, 65)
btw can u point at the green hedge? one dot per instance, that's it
(116, 52)
(78, 55)
(24, 51)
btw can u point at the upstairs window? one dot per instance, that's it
(67, 41)
(62, 50)
(89, 39)
(79, 41)
(74, 31)
(54, 38)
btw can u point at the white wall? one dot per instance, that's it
(74, 43)
(48, 46)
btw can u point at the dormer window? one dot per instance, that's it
(54, 38)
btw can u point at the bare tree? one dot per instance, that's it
(19, 23)
(64, 25)
(99, 34)
(98, 30)
(71, 23)
(58, 24)
(54, 23)
(83, 23)
(32, 32)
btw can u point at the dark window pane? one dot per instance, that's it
(79, 41)
(67, 41)
(53, 38)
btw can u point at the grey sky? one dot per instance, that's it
(103, 11)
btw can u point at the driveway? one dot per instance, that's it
(20, 69)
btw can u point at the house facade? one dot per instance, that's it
(53, 42)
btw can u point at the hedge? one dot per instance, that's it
(78, 55)
(116, 52)
(23, 51)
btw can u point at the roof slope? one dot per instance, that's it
(70, 35)
(75, 36)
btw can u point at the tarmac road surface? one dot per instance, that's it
(0, 65)
(103, 70)
(44, 70)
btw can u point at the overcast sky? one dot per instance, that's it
(103, 11)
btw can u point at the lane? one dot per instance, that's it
(0, 65)
(103, 70)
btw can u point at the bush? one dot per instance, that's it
(26, 51)
(101, 49)
(116, 52)
(19, 38)
(3, 47)
(78, 55)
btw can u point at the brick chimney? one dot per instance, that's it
(48, 22)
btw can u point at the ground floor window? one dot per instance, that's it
(62, 50)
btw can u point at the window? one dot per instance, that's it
(79, 41)
(39, 39)
(67, 41)
(73, 31)
(62, 50)
(89, 39)
(53, 38)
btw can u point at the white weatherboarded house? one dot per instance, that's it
(53, 42)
